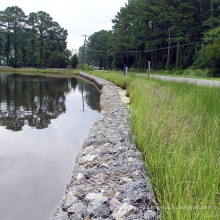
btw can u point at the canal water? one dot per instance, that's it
(43, 122)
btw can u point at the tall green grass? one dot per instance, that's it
(185, 72)
(177, 128)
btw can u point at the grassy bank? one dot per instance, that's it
(177, 128)
(44, 72)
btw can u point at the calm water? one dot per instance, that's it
(43, 122)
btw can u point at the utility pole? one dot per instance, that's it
(151, 26)
(148, 69)
(125, 66)
(84, 48)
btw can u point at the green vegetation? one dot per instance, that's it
(74, 61)
(85, 67)
(184, 72)
(187, 73)
(53, 60)
(173, 34)
(176, 127)
(40, 72)
(97, 46)
(209, 55)
(31, 41)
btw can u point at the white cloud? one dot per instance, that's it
(77, 16)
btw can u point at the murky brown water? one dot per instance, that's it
(43, 122)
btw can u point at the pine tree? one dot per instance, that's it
(74, 61)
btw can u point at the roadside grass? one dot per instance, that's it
(186, 73)
(177, 129)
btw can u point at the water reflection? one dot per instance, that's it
(89, 94)
(36, 161)
(37, 100)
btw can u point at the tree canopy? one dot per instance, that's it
(31, 40)
(169, 33)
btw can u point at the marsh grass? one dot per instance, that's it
(34, 71)
(43, 72)
(177, 129)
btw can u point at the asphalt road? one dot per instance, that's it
(200, 82)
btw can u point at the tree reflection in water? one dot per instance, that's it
(36, 100)
(89, 94)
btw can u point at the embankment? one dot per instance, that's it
(109, 180)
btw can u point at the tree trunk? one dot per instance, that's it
(135, 60)
(168, 51)
(152, 59)
(32, 60)
(16, 55)
(8, 49)
(15, 50)
(32, 52)
(41, 45)
(177, 53)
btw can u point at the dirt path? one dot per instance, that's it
(200, 82)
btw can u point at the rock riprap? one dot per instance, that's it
(109, 180)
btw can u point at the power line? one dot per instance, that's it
(185, 25)
(156, 49)
(172, 31)
(161, 35)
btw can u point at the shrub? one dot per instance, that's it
(213, 57)
(74, 61)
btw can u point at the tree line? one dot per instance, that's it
(35, 40)
(169, 33)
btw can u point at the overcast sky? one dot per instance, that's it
(77, 16)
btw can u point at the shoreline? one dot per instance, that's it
(109, 180)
